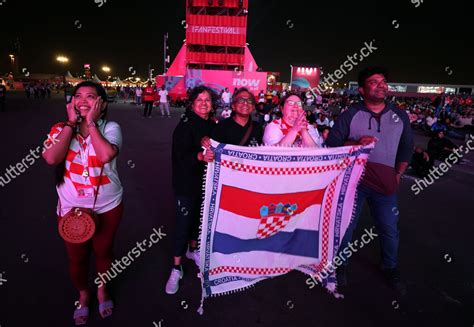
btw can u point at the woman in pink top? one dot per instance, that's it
(86, 145)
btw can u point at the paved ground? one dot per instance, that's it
(435, 254)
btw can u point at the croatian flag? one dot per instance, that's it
(270, 210)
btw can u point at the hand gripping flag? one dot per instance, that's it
(269, 210)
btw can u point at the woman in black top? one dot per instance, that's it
(188, 164)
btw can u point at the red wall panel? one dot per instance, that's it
(215, 58)
(208, 20)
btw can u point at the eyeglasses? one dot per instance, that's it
(199, 100)
(245, 100)
(292, 103)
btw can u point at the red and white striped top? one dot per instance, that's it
(110, 191)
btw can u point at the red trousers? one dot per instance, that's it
(101, 243)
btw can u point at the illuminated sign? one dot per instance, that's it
(397, 88)
(450, 90)
(430, 89)
(306, 71)
(303, 78)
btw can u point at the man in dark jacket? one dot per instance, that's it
(375, 120)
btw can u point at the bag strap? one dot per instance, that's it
(247, 133)
(96, 192)
(100, 175)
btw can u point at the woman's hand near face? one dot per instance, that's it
(71, 111)
(94, 113)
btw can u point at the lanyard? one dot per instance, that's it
(84, 152)
(84, 156)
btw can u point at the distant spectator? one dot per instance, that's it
(324, 135)
(440, 147)
(322, 120)
(421, 162)
(3, 95)
(164, 105)
(148, 99)
(226, 98)
(138, 95)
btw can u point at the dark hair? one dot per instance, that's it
(194, 93)
(59, 170)
(283, 100)
(369, 71)
(325, 128)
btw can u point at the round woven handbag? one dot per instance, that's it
(78, 225)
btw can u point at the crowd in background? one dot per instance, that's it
(445, 117)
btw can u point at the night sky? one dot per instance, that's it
(431, 37)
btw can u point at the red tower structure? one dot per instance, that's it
(215, 51)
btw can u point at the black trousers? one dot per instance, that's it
(2, 104)
(147, 109)
(188, 219)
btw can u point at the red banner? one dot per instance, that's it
(216, 30)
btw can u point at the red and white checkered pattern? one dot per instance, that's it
(325, 230)
(74, 166)
(288, 170)
(248, 270)
(271, 225)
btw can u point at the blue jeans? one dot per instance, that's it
(384, 210)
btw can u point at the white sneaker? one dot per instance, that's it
(193, 256)
(172, 285)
